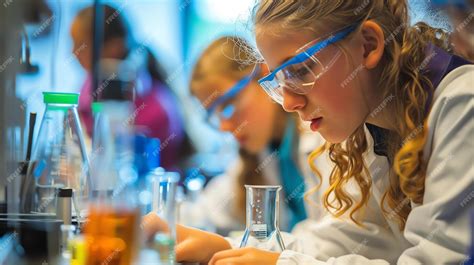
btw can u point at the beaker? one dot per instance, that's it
(262, 218)
(164, 188)
(59, 158)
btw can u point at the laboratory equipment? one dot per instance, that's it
(164, 189)
(262, 218)
(67, 234)
(111, 233)
(64, 205)
(59, 158)
(146, 161)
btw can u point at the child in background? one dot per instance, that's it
(271, 149)
(157, 108)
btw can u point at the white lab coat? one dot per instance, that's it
(437, 231)
(213, 209)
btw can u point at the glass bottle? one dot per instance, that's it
(59, 158)
(112, 230)
(262, 218)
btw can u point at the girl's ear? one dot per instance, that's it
(374, 43)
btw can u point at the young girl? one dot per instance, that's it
(271, 149)
(363, 66)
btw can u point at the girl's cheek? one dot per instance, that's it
(328, 93)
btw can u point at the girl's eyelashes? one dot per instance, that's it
(301, 71)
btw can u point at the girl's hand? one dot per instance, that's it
(152, 223)
(250, 256)
(193, 245)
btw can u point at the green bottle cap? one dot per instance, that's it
(60, 98)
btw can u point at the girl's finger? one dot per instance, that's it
(231, 261)
(184, 251)
(227, 254)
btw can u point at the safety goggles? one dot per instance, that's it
(224, 107)
(299, 74)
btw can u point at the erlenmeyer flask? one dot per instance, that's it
(59, 158)
(262, 218)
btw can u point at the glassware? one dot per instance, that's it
(262, 218)
(111, 233)
(67, 234)
(59, 159)
(164, 189)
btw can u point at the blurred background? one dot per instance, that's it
(176, 31)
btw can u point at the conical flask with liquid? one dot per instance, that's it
(59, 158)
(262, 218)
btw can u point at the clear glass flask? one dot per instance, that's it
(59, 158)
(262, 218)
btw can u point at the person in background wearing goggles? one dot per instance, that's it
(364, 66)
(271, 148)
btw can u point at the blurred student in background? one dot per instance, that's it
(461, 14)
(271, 149)
(157, 108)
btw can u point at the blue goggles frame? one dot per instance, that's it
(306, 54)
(232, 93)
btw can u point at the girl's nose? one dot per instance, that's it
(292, 101)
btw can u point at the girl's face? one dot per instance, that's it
(336, 105)
(253, 121)
(82, 46)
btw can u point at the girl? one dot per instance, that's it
(157, 109)
(271, 149)
(365, 67)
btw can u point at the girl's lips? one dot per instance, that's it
(316, 124)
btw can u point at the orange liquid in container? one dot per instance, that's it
(111, 236)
